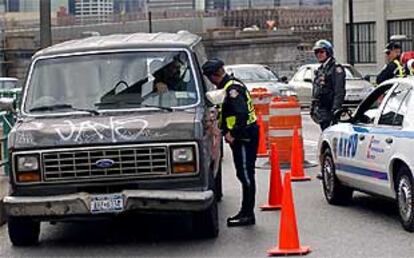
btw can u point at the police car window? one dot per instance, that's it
(369, 109)
(395, 108)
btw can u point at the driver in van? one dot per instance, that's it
(168, 76)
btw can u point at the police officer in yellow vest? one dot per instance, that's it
(238, 124)
(394, 68)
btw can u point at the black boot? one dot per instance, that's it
(235, 217)
(243, 220)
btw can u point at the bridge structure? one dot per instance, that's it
(299, 26)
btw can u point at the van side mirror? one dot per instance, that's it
(284, 79)
(216, 97)
(367, 78)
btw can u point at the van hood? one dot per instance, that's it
(105, 129)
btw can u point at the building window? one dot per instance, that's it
(405, 29)
(364, 43)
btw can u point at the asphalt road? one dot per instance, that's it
(369, 227)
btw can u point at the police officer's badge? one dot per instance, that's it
(233, 93)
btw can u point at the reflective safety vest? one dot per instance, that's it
(231, 120)
(400, 68)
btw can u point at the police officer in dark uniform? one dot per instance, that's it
(393, 68)
(238, 124)
(328, 91)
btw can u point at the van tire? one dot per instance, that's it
(23, 231)
(219, 184)
(205, 223)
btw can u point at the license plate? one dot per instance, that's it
(107, 203)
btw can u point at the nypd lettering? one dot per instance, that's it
(346, 146)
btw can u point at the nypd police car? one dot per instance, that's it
(372, 149)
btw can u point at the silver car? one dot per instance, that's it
(260, 76)
(356, 87)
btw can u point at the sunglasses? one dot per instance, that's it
(319, 51)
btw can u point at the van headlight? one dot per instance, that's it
(27, 163)
(183, 159)
(27, 168)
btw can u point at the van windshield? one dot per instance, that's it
(111, 81)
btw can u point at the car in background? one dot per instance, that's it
(370, 150)
(9, 87)
(260, 76)
(357, 88)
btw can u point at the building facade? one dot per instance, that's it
(86, 11)
(243, 4)
(29, 5)
(375, 22)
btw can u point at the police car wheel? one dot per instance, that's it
(405, 198)
(334, 192)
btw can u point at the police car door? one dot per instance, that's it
(386, 137)
(352, 143)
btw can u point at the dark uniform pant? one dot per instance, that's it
(244, 156)
(326, 118)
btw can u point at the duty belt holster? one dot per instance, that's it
(314, 112)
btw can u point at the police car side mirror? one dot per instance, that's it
(216, 97)
(343, 115)
(284, 79)
(367, 78)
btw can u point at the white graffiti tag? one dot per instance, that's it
(116, 129)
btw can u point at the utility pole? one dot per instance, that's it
(45, 24)
(3, 22)
(351, 32)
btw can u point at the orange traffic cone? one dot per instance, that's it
(288, 231)
(298, 174)
(262, 149)
(275, 185)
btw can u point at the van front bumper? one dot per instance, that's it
(80, 203)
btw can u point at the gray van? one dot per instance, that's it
(94, 137)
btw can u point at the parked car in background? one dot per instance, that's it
(9, 87)
(357, 88)
(260, 76)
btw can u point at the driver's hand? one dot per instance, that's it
(161, 87)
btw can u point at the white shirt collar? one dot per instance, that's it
(326, 61)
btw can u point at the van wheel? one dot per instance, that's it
(335, 193)
(205, 223)
(23, 231)
(219, 184)
(405, 198)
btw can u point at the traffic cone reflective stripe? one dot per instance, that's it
(275, 184)
(288, 231)
(298, 174)
(262, 149)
